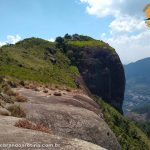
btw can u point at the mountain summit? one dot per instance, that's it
(69, 92)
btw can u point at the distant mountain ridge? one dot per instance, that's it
(137, 95)
(139, 71)
(137, 84)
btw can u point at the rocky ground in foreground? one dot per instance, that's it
(14, 135)
(70, 117)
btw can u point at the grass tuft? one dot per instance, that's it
(16, 111)
(30, 125)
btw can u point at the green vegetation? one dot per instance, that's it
(87, 43)
(128, 134)
(145, 123)
(90, 43)
(77, 37)
(80, 41)
(42, 61)
(144, 109)
(37, 60)
(144, 126)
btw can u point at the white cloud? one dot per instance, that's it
(103, 8)
(127, 24)
(128, 32)
(11, 40)
(128, 14)
(131, 47)
(100, 8)
(51, 39)
(2, 43)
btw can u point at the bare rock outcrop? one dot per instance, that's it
(69, 116)
(102, 71)
(14, 138)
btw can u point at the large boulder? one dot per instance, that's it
(13, 138)
(70, 116)
(102, 71)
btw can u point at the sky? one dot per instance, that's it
(117, 22)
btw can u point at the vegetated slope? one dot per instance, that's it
(144, 109)
(37, 60)
(138, 84)
(128, 134)
(141, 116)
(99, 66)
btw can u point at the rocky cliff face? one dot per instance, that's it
(101, 70)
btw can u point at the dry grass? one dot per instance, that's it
(4, 112)
(53, 89)
(30, 125)
(19, 98)
(45, 91)
(12, 84)
(36, 89)
(57, 94)
(16, 111)
(5, 88)
(11, 93)
(22, 83)
(68, 90)
(27, 86)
